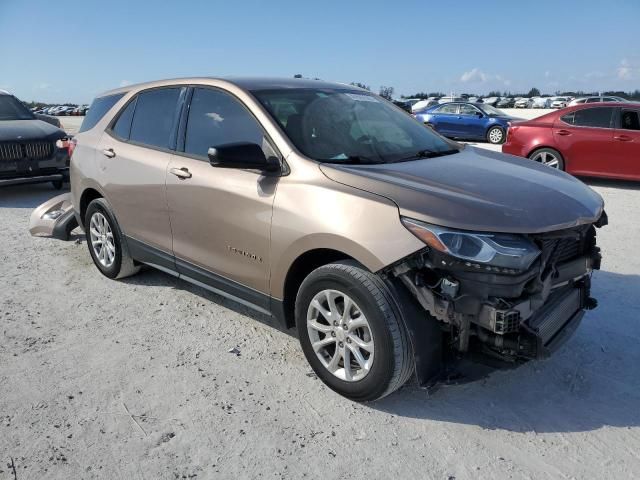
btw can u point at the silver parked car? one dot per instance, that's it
(597, 99)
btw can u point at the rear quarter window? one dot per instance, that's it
(99, 107)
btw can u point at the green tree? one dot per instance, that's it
(534, 92)
(361, 85)
(386, 92)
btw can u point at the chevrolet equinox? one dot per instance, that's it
(391, 249)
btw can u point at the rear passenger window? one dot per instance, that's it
(216, 118)
(99, 107)
(593, 117)
(154, 118)
(122, 127)
(448, 109)
(568, 118)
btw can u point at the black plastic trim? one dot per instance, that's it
(144, 253)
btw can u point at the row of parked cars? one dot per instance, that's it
(416, 105)
(63, 110)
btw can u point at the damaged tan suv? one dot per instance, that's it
(392, 249)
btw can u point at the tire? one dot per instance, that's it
(496, 135)
(113, 262)
(388, 357)
(549, 157)
(58, 184)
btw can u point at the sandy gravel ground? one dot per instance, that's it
(134, 380)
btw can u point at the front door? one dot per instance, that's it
(626, 144)
(472, 122)
(584, 139)
(221, 217)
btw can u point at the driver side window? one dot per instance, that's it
(468, 110)
(216, 118)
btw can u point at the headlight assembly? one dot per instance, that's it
(481, 250)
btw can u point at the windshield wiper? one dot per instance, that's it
(428, 154)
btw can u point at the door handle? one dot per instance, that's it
(564, 133)
(623, 138)
(108, 152)
(182, 173)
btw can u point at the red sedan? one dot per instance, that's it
(600, 140)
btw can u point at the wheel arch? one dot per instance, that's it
(299, 269)
(88, 195)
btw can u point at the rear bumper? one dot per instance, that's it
(54, 218)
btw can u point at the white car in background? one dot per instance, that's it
(450, 98)
(559, 102)
(578, 101)
(422, 104)
(490, 101)
(522, 102)
(540, 102)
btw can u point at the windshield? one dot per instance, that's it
(12, 109)
(343, 126)
(492, 111)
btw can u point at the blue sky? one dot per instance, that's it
(69, 50)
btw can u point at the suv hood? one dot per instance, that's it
(25, 130)
(478, 189)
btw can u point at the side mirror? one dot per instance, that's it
(479, 114)
(243, 155)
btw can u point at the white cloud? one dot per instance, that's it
(125, 83)
(475, 75)
(625, 71)
(43, 86)
(547, 74)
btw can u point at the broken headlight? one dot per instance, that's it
(502, 250)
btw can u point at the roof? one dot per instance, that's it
(245, 83)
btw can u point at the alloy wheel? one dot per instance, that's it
(340, 335)
(102, 241)
(495, 135)
(547, 158)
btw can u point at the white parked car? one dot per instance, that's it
(490, 100)
(522, 103)
(559, 102)
(578, 101)
(422, 104)
(540, 102)
(451, 99)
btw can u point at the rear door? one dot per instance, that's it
(134, 155)
(471, 121)
(626, 144)
(446, 119)
(584, 138)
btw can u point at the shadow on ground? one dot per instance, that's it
(28, 196)
(592, 382)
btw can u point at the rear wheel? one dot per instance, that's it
(495, 135)
(549, 157)
(106, 243)
(351, 333)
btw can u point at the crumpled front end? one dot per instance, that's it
(508, 314)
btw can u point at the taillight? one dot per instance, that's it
(68, 143)
(71, 146)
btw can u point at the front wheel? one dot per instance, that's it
(495, 135)
(549, 157)
(351, 333)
